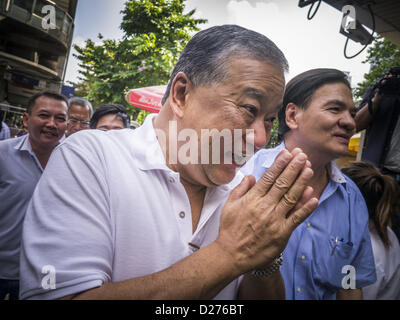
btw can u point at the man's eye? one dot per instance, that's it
(334, 109)
(251, 109)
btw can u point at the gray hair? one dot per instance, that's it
(204, 58)
(80, 102)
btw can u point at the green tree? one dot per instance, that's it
(382, 55)
(274, 140)
(155, 32)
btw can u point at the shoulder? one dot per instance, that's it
(92, 140)
(394, 241)
(352, 189)
(8, 144)
(351, 186)
(357, 205)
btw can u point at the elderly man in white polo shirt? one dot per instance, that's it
(145, 223)
(22, 161)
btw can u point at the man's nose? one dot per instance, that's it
(347, 121)
(51, 122)
(79, 124)
(259, 135)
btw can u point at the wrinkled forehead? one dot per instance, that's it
(77, 108)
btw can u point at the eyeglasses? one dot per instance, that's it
(83, 123)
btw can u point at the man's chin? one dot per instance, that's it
(222, 177)
(50, 141)
(342, 152)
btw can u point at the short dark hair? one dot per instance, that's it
(117, 109)
(80, 102)
(49, 94)
(204, 58)
(301, 89)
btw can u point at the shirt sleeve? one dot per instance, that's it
(67, 244)
(369, 93)
(371, 292)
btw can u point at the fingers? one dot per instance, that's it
(266, 181)
(241, 189)
(295, 193)
(307, 195)
(299, 215)
(288, 178)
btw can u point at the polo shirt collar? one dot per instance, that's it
(334, 172)
(150, 156)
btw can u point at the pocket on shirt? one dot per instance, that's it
(343, 248)
(331, 260)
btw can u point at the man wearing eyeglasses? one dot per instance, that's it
(79, 113)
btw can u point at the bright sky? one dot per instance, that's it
(307, 44)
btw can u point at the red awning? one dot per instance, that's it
(147, 98)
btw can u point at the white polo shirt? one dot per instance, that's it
(108, 209)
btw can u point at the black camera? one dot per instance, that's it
(389, 86)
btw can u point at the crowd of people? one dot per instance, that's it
(49, 119)
(119, 214)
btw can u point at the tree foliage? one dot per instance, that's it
(274, 140)
(382, 55)
(155, 32)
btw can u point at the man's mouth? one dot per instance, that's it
(49, 133)
(343, 137)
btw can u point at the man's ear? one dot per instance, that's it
(292, 115)
(25, 118)
(178, 94)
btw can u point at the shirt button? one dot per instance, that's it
(308, 224)
(303, 257)
(298, 290)
(171, 179)
(182, 214)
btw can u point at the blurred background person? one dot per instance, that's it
(381, 194)
(379, 113)
(110, 116)
(79, 114)
(4, 129)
